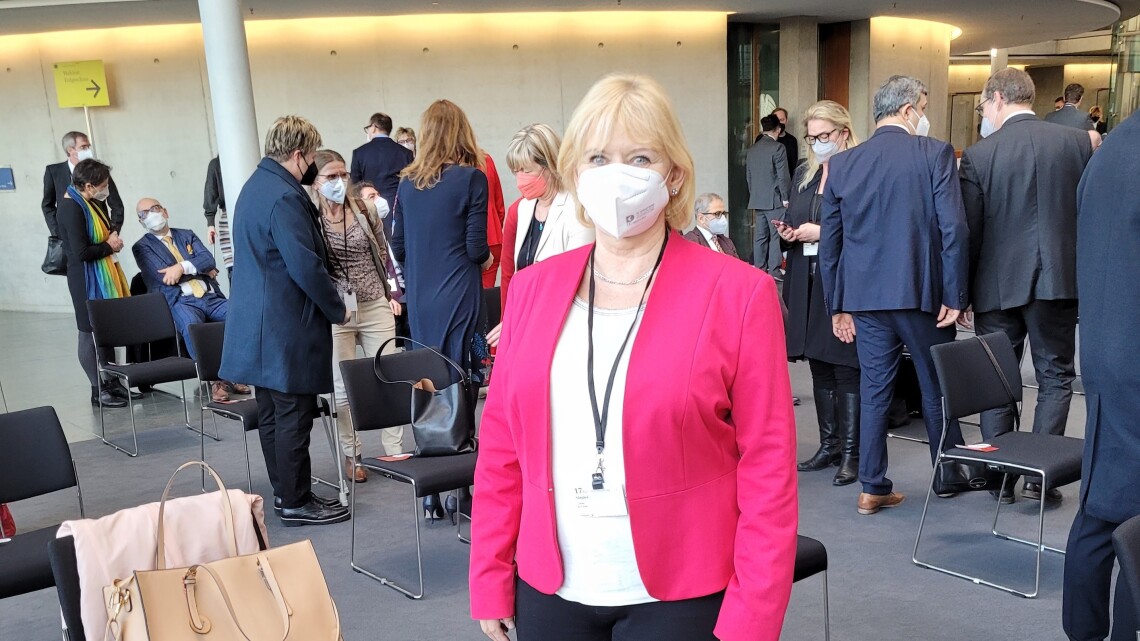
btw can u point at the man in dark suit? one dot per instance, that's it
(712, 225)
(380, 161)
(893, 257)
(1107, 270)
(791, 145)
(1023, 243)
(769, 187)
(57, 177)
(1070, 115)
(278, 334)
(175, 263)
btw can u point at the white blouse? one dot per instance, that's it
(597, 552)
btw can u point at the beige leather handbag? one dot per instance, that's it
(281, 595)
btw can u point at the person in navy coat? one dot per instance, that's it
(278, 334)
(894, 258)
(380, 161)
(1108, 241)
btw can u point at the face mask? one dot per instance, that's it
(621, 200)
(410, 146)
(987, 128)
(719, 226)
(154, 221)
(103, 193)
(84, 154)
(530, 185)
(310, 175)
(1095, 118)
(333, 190)
(382, 208)
(824, 150)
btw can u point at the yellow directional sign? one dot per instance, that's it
(81, 84)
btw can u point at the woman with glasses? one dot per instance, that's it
(406, 137)
(834, 364)
(358, 253)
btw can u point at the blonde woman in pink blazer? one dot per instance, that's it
(636, 474)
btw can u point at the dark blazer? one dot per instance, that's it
(1108, 241)
(1019, 188)
(808, 326)
(792, 146)
(80, 250)
(57, 177)
(766, 166)
(727, 247)
(1070, 116)
(152, 254)
(380, 161)
(214, 193)
(894, 234)
(278, 329)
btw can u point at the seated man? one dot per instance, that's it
(711, 231)
(175, 263)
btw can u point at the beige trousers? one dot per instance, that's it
(371, 325)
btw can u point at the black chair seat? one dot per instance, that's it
(165, 370)
(1058, 456)
(244, 410)
(811, 558)
(431, 475)
(25, 562)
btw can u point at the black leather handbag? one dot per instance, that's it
(55, 262)
(443, 421)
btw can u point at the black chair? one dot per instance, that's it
(208, 339)
(979, 374)
(65, 570)
(492, 303)
(134, 320)
(1126, 541)
(811, 559)
(375, 405)
(34, 460)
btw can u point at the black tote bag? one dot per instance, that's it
(55, 261)
(443, 421)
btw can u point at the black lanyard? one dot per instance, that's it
(601, 417)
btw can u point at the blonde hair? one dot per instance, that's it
(289, 134)
(402, 131)
(837, 115)
(535, 145)
(447, 140)
(638, 105)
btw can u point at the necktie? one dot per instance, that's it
(196, 286)
(714, 242)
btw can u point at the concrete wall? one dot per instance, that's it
(505, 70)
(799, 69)
(1049, 82)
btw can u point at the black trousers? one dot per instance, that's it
(284, 422)
(840, 378)
(543, 617)
(1089, 558)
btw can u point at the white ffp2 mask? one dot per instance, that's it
(622, 200)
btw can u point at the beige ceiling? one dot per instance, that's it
(984, 23)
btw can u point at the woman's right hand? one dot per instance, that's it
(494, 335)
(787, 232)
(497, 629)
(115, 242)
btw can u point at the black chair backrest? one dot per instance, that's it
(375, 405)
(1126, 540)
(207, 339)
(118, 322)
(493, 305)
(969, 382)
(34, 456)
(65, 569)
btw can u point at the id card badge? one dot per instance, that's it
(593, 503)
(349, 301)
(811, 249)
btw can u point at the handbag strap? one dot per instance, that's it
(201, 624)
(231, 535)
(462, 374)
(1004, 383)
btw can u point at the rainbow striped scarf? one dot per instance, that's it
(105, 278)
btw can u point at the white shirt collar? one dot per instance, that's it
(70, 166)
(707, 234)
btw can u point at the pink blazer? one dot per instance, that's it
(709, 442)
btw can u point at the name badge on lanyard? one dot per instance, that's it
(811, 249)
(592, 503)
(349, 301)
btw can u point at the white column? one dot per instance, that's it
(231, 93)
(999, 59)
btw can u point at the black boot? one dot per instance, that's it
(828, 452)
(117, 389)
(847, 421)
(108, 399)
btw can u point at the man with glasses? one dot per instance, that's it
(380, 161)
(175, 263)
(57, 177)
(712, 225)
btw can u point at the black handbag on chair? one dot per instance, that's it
(443, 421)
(55, 261)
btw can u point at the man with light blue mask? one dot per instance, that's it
(711, 217)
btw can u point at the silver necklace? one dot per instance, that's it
(611, 281)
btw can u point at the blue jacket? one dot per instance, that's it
(380, 161)
(152, 254)
(1108, 241)
(282, 299)
(893, 231)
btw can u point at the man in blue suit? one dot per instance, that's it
(380, 161)
(175, 263)
(1107, 270)
(893, 256)
(279, 334)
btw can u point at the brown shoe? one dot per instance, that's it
(871, 503)
(357, 474)
(240, 388)
(218, 392)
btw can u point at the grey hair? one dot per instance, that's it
(701, 204)
(1015, 85)
(71, 138)
(896, 93)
